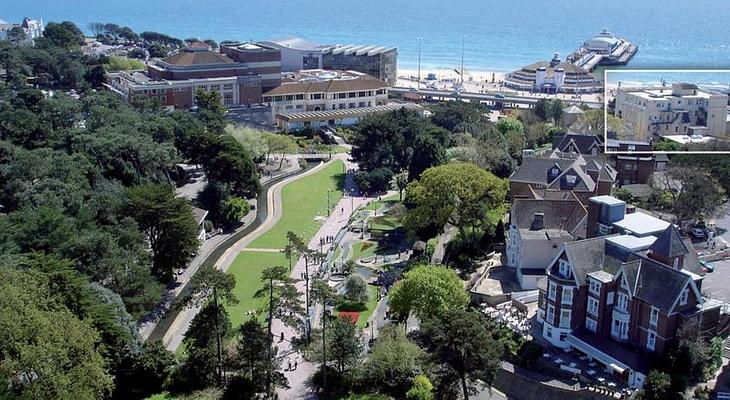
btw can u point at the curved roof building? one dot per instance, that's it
(554, 76)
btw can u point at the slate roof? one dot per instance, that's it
(586, 256)
(583, 182)
(564, 215)
(535, 169)
(669, 243)
(658, 284)
(582, 143)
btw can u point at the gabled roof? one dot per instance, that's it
(581, 143)
(669, 243)
(659, 285)
(583, 183)
(585, 256)
(535, 169)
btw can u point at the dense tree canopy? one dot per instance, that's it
(428, 290)
(459, 194)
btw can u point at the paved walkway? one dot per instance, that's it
(148, 324)
(174, 335)
(337, 221)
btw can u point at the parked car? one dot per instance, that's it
(707, 267)
(698, 233)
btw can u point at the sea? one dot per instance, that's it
(495, 35)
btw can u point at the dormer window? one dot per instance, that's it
(571, 179)
(683, 297)
(564, 269)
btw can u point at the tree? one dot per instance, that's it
(325, 295)
(422, 389)
(282, 303)
(66, 34)
(428, 152)
(356, 289)
(45, 346)
(143, 374)
(16, 35)
(427, 291)
(208, 282)
(401, 182)
(233, 209)
(228, 163)
(253, 356)
(211, 110)
(345, 344)
(278, 143)
(395, 362)
(657, 386)
(168, 225)
(453, 115)
(695, 194)
(514, 133)
(459, 194)
(458, 341)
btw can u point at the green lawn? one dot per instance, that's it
(371, 304)
(392, 199)
(385, 223)
(360, 250)
(302, 201)
(247, 268)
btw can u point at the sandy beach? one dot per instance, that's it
(449, 74)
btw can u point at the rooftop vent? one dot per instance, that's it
(538, 222)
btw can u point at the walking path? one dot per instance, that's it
(174, 335)
(148, 324)
(337, 221)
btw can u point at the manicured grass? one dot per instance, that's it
(371, 304)
(360, 250)
(247, 268)
(392, 199)
(385, 223)
(302, 201)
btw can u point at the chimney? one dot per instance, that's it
(538, 222)
(630, 209)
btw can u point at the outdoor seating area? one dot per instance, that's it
(584, 371)
(509, 314)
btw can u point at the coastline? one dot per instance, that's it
(449, 74)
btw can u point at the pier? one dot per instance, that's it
(604, 49)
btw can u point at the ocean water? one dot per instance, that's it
(498, 35)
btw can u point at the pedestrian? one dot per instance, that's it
(288, 368)
(281, 338)
(295, 365)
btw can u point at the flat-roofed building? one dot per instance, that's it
(320, 90)
(240, 79)
(682, 109)
(300, 54)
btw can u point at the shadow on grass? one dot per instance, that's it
(339, 179)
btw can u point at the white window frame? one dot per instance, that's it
(550, 314)
(623, 302)
(592, 306)
(564, 268)
(651, 341)
(567, 299)
(591, 325)
(654, 316)
(552, 290)
(594, 287)
(565, 322)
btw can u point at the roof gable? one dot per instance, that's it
(669, 243)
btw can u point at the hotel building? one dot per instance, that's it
(682, 109)
(334, 94)
(240, 73)
(621, 295)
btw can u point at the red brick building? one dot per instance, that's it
(241, 72)
(620, 299)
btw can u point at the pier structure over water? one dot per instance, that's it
(604, 49)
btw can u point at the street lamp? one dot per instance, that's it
(420, 39)
(328, 202)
